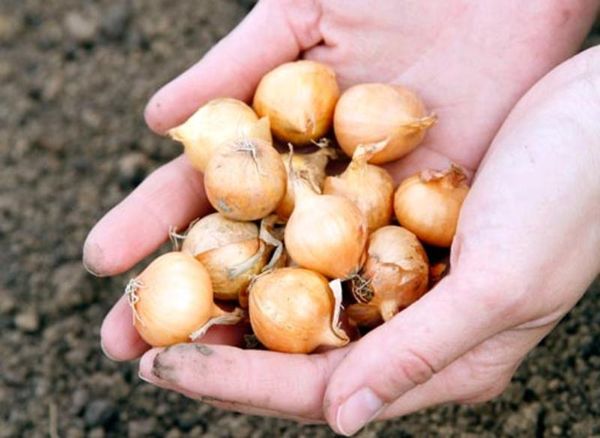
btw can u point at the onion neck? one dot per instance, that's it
(303, 190)
(334, 337)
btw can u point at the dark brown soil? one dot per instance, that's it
(74, 78)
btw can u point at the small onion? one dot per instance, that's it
(299, 98)
(395, 275)
(428, 204)
(325, 233)
(294, 310)
(369, 187)
(312, 167)
(217, 123)
(373, 113)
(172, 301)
(231, 251)
(245, 180)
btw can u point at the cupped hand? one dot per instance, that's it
(509, 284)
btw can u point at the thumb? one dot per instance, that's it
(408, 350)
(273, 33)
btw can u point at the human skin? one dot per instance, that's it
(528, 239)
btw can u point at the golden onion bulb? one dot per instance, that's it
(217, 123)
(395, 275)
(294, 310)
(171, 299)
(245, 180)
(326, 233)
(429, 203)
(374, 113)
(299, 99)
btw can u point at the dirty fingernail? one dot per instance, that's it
(358, 410)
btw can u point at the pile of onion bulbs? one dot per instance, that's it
(307, 258)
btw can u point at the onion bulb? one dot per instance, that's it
(231, 251)
(373, 113)
(312, 167)
(245, 180)
(172, 301)
(293, 310)
(428, 204)
(395, 275)
(369, 187)
(217, 123)
(299, 98)
(325, 233)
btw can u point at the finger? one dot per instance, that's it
(120, 340)
(273, 33)
(405, 352)
(172, 196)
(288, 384)
(480, 375)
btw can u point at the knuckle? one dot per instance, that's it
(409, 367)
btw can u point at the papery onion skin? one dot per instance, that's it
(215, 231)
(429, 203)
(233, 267)
(396, 269)
(245, 181)
(326, 233)
(299, 98)
(369, 187)
(291, 310)
(173, 297)
(371, 113)
(312, 167)
(217, 123)
(230, 250)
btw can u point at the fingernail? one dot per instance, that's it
(143, 378)
(103, 348)
(358, 410)
(90, 270)
(92, 255)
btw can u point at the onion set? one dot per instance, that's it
(325, 233)
(428, 204)
(294, 310)
(299, 99)
(245, 180)
(373, 113)
(172, 301)
(217, 123)
(395, 275)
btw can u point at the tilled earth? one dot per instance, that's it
(75, 76)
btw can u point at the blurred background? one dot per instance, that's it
(74, 79)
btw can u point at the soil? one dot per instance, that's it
(75, 76)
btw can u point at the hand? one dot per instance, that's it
(425, 44)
